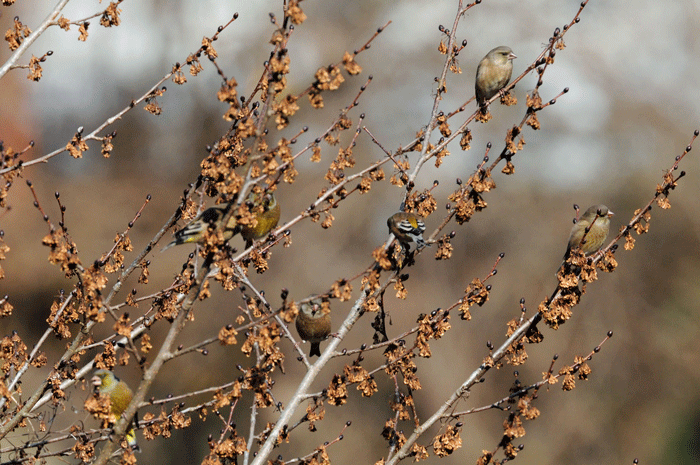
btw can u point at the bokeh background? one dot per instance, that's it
(632, 107)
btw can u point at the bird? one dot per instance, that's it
(314, 324)
(407, 227)
(208, 220)
(597, 220)
(267, 213)
(493, 73)
(120, 397)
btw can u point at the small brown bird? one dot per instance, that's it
(597, 220)
(493, 73)
(407, 228)
(314, 324)
(119, 398)
(208, 220)
(267, 214)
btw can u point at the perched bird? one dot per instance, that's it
(314, 324)
(597, 218)
(267, 213)
(493, 73)
(407, 228)
(208, 220)
(119, 398)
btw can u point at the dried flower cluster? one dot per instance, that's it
(106, 325)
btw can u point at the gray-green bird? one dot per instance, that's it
(597, 218)
(208, 220)
(493, 73)
(119, 398)
(407, 227)
(267, 214)
(314, 324)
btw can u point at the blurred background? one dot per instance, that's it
(632, 71)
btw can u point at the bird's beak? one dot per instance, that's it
(610, 214)
(96, 381)
(512, 56)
